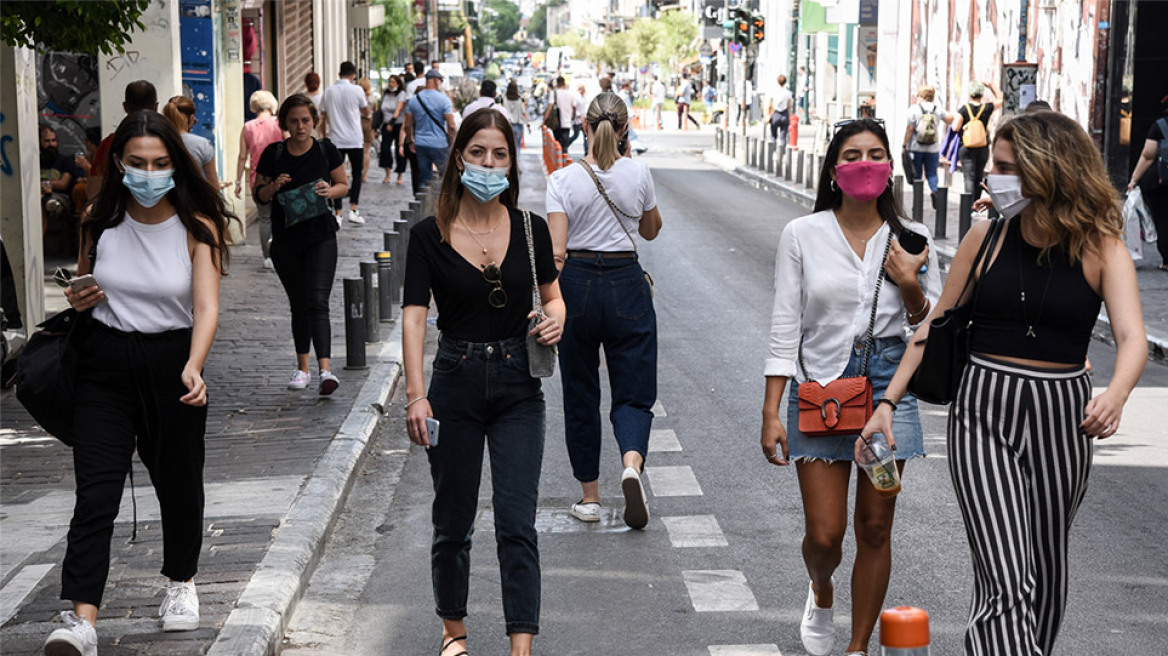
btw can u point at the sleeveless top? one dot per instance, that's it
(1013, 319)
(145, 271)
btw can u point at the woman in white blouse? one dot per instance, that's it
(826, 273)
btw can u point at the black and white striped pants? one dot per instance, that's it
(1019, 463)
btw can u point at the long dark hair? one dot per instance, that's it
(450, 195)
(192, 197)
(829, 197)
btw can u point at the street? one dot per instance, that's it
(718, 570)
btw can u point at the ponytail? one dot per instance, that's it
(608, 116)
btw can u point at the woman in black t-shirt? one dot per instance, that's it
(473, 259)
(298, 176)
(973, 160)
(1155, 193)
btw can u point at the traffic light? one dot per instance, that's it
(742, 26)
(758, 28)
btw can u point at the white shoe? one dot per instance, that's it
(328, 383)
(355, 217)
(340, 222)
(180, 610)
(817, 629)
(78, 638)
(586, 512)
(636, 507)
(268, 264)
(299, 380)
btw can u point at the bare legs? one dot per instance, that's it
(591, 489)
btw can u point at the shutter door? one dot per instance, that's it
(295, 45)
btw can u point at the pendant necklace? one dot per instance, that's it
(475, 235)
(1022, 290)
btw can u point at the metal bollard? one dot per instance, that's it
(393, 245)
(354, 324)
(918, 200)
(942, 225)
(770, 158)
(385, 284)
(799, 167)
(369, 280)
(788, 164)
(718, 139)
(964, 215)
(898, 185)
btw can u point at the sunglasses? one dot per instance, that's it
(62, 276)
(497, 297)
(848, 121)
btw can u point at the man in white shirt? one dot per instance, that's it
(579, 108)
(486, 99)
(341, 110)
(658, 93)
(562, 101)
(781, 110)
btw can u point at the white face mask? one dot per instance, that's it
(1006, 192)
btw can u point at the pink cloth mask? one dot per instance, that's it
(863, 181)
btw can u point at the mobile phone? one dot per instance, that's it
(81, 282)
(432, 431)
(912, 242)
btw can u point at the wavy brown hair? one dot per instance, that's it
(450, 194)
(1074, 206)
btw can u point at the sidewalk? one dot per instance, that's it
(1153, 283)
(278, 464)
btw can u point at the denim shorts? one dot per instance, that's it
(906, 421)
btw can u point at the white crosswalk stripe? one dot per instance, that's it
(715, 590)
(745, 650)
(673, 481)
(658, 409)
(694, 531)
(662, 440)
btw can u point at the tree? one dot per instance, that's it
(78, 26)
(395, 34)
(500, 21)
(537, 28)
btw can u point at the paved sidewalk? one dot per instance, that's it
(1153, 283)
(278, 464)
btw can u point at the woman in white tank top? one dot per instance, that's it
(154, 243)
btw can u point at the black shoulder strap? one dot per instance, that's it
(426, 108)
(984, 255)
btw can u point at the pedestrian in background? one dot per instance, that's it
(255, 136)
(820, 332)
(593, 210)
(58, 173)
(923, 137)
(342, 109)
(561, 101)
(393, 107)
(486, 99)
(1152, 183)
(298, 176)
(429, 127)
(481, 389)
(180, 111)
(314, 93)
(516, 110)
(578, 108)
(367, 126)
(657, 93)
(140, 95)
(685, 95)
(972, 123)
(84, 164)
(1021, 424)
(781, 106)
(155, 243)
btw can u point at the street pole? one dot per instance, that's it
(729, 65)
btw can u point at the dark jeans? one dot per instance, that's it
(390, 135)
(307, 272)
(683, 114)
(564, 137)
(483, 392)
(609, 304)
(357, 164)
(428, 158)
(973, 163)
(412, 159)
(1156, 198)
(927, 163)
(126, 396)
(776, 128)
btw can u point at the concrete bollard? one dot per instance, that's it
(788, 164)
(385, 284)
(799, 168)
(898, 185)
(393, 244)
(770, 158)
(964, 215)
(354, 324)
(370, 285)
(918, 200)
(942, 225)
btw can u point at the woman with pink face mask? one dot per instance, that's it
(847, 297)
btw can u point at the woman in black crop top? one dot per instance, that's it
(473, 259)
(1020, 428)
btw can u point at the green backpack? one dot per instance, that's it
(927, 127)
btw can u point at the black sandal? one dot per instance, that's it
(451, 641)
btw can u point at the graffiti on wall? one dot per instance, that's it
(68, 97)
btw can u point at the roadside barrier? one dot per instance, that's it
(554, 157)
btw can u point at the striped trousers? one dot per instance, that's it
(1019, 463)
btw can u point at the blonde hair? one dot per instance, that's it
(366, 85)
(927, 93)
(1074, 203)
(608, 116)
(263, 100)
(178, 111)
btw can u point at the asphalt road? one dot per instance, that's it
(734, 576)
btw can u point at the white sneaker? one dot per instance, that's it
(340, 222)
(268, 264)
(78, 638)
(817, 629)
(636, 507)
(299, 380)
(328, 383)
(180, 610)
(586, 512)
(355, 217)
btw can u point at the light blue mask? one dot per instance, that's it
(484, 183)
(148, 187)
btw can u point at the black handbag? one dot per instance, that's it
(45, 372)
(947, 347)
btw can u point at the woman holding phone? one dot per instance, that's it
(154, 245)
(835, 316)
(473, 259)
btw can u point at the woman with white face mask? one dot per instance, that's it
(154, 243)
(1019, 461)
(473, 259)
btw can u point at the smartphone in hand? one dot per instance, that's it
(432, 431)
(81, 282)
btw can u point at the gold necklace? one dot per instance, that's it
(473, 234)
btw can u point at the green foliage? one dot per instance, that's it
(537, 28)
(71, 25)
(395, 34)
(670, 37)
(499, 20)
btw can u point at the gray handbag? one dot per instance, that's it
(541, 359)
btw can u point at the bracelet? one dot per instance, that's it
(888, 401)
(420, 398)
(924, 307)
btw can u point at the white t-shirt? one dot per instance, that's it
(566, 102)
(343, 102)
(413, 85)
(592, 226)
(658, 91)
(914, 116)
(782, 99)
(823, 296)
(483, 102)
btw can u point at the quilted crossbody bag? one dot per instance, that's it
(541, 359)
(844, 405)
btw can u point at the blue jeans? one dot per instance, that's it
(427, 158)
(483, 392)
(609, 304)
(928, 162)
(517, 130)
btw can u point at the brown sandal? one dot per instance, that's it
(451, 641)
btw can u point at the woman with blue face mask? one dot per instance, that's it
(473, 260)
(154, 243)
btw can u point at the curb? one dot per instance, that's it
(257, 625)
(1157, 345)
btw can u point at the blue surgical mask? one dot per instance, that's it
(484, 183)
(148, 187)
